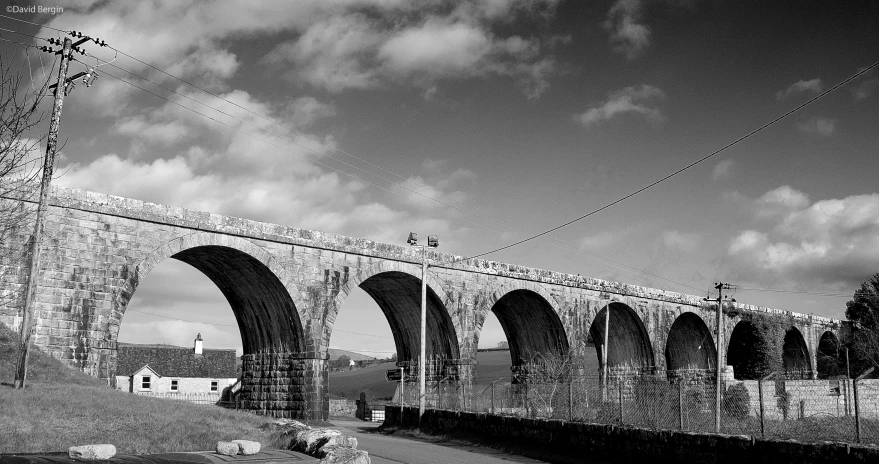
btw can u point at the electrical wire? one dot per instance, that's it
(22, 33)
(35, 24)
(521, 227)
(179, 319)
(621, 265)
(772, 290)
(704, 158)
(615, 264)
(238, 129)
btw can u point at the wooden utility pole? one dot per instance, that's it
(45, 186)
(719, 344)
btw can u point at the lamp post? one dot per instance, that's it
(432, 242)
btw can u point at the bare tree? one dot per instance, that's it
(547, 376)
(20, 168)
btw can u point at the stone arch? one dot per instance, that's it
(396, 288)
(747, 352)
(690, 344)
(531, 324)
(827, 356)
(628, 340)
(795, 355)
(259, 290)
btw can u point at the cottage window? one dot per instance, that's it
(174, 384)
(145, 382)
(215, 385)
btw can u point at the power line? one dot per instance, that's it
(620, 266)
(669, 176)
(179, 319)
(35, 24)
(238, 129)
(772, 290)
(519, 226)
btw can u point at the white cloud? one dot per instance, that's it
(723, 169)
(337, 53)
(866, 88)
(818, 126)
(830, 242)
(599, 241)
(306, 110)
(162, 132)
(812, 85)
(635, 99)
(686, 242)
(781, 200)
(627, 34)
(359, 51)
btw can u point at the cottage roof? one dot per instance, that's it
(176, 361)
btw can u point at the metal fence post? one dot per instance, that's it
(571, 400)
(620, 391)
(681, 404)
(857, 406)
(762, 406)
(762, 413)
(492, 397)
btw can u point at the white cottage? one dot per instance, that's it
(166, 369)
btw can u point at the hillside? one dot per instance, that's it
(42, 368)
(493, 365)
(336, 353)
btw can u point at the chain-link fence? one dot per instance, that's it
(783, 408)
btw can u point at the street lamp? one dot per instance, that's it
(432, 242)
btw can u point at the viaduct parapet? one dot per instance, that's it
(286, 287)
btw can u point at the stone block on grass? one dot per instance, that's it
(340, 455)
(92, 452)
(247, 447)
(227, 448)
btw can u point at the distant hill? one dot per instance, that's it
(493, 364)
(336, 353)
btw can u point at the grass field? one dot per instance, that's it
(62, 407)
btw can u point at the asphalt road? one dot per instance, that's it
(391, 449)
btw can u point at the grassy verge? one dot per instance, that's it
(46, 418)
(62, 407)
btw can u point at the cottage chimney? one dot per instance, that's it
(198, 344)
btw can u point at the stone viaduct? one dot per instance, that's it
(286, 287)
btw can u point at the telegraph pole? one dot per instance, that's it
(720, 286)
(62, 88)
(432, 242)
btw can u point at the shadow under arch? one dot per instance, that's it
(257, 288)
(827, 357)
(747, 352)
(628, 340)
(795, 355)
(689, 344)
(531, 325)
(396, 289)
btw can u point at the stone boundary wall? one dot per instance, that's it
(198, 220)
(343, 408)
(817, 398)
(575, 442)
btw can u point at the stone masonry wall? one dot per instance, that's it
(98, 248)
(576, 442)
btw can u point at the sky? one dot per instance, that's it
(517, 115)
